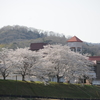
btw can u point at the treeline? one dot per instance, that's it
(22, 36)
(16, 33)
(93, 49)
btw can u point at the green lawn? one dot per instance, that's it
(59, 90)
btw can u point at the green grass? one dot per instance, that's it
(59, 90)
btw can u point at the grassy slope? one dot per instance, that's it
(10, 87)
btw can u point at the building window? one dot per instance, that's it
(73, 49)
(78, 49)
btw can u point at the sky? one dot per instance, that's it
(79, 18)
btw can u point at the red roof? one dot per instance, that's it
(37, 46)
(74, 39)
(94, 58)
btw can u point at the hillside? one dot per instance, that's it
(55, 90)
(21, 36)
(17, 33)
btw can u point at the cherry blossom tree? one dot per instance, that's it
(24, 60)
(60, 62)
(5, 62)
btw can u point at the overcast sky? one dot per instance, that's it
(79, 18)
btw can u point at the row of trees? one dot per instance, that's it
(52, 61)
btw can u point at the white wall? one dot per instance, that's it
(75, 44)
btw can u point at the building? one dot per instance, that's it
(75, 44)
(96, 60)
(37, 46)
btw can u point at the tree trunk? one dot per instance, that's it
(23, 77)
(58, 79)
(4, 77)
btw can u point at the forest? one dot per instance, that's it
(15, 36)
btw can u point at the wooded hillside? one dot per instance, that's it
(18, 33)
(22, 36)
